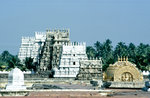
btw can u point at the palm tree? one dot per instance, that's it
(99, 49)
(90, 52)
(121, 50)
(142, 56)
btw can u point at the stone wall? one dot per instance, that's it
(26, 76)
(125, 84)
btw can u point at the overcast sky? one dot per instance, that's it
(89, 20)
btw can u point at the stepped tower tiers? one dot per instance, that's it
(51, 51)
(31, 46)
(90, 70)
(71, 54)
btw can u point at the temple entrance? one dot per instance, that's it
(126, 77)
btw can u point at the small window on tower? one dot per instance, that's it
(74, 63)
(74, 55)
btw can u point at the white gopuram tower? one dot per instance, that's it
(15, 80)
(32, 46)
(72, 53)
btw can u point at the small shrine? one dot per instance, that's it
(123, 71)
(15, 80)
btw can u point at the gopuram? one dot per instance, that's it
(51, 51)
(124, 74)
(71, 54)
(31, 46)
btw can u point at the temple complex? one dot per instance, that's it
(58, 57)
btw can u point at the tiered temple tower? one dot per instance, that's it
(51, 52)
(71, 54)
(31, 46)
(90, 69)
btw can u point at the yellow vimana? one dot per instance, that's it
(123, 71)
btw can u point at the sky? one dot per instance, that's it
(88, 20)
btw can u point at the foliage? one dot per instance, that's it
(29, 63)
(4, 59)
(6, 56)
(14, 62)
(9, 61)
(90, 52)
(140, 55)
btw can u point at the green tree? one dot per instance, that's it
(14, 62)
(99, 49)
(6, 56)
(141, 59)
(132, 49)
(121, 50)
(90, 52)
(105, 51)
(139, 55)
(29, 63)
(107, 54)
(148, 59)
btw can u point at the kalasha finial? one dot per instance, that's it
(126, 58)
(121, 58)
(47, 30)
(118, 58)
(96, 58)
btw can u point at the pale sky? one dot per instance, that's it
(89, 20)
